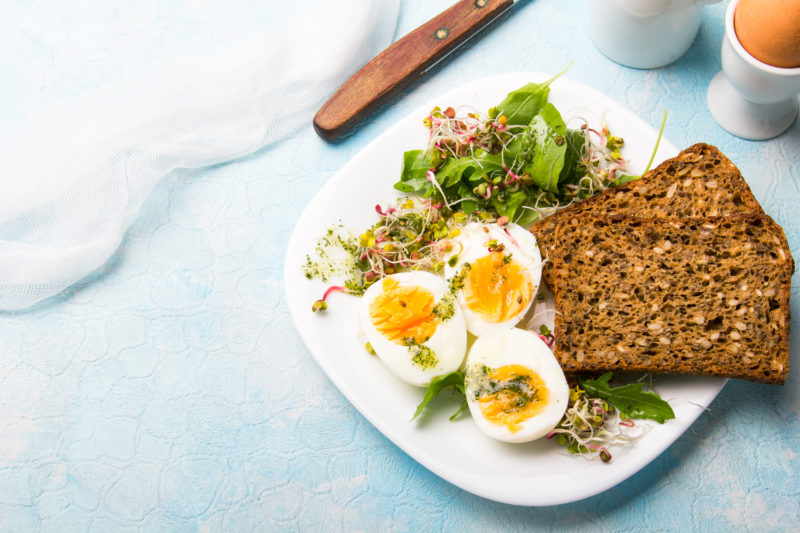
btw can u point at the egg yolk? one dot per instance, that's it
(404, 314)
(510, 395)
(497, 288)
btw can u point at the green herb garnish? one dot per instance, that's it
(629, 399)
(454, 380)
(597, 413)
(522, 105)
(519, 160)
(422, 356)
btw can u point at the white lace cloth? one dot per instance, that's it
(72, 182)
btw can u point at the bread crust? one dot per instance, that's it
(700, 181)
(699, 295)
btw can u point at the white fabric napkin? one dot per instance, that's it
(72, 182)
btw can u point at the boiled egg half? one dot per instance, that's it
(414, 326)
(496, 270)
(516, 390)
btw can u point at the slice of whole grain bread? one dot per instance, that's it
(692, 296)
(700, 181)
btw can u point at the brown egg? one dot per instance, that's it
(770, 30)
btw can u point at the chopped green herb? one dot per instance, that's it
(446, 307)
(519, 388)
(423, 356)
(456, 283)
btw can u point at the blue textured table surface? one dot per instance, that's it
(170, 390)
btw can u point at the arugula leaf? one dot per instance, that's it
(526, 217)
(629, 399)
(457, 169)
(467, 206)
(549, 131)
(510, 204)
(572, 156)
(416, 164)
(454, 379)
(522, 105)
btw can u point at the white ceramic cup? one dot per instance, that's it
(751, 99)
(645, 33)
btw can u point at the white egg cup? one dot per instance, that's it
(751, 99)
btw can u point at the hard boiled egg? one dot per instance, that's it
(414, 326)
(770, 30)
(497, 270)
(515, 388)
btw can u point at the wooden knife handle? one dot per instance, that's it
(403, 62)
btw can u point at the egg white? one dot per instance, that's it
(448, 342)
(524, 348)
(472, 244)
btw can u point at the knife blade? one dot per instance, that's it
(403, 62)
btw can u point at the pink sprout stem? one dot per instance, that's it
(514, 177)
(549, 340)
(383, 213)
(600, 135)
(333, 288)
(513, 240)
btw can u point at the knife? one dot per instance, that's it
(403, 62)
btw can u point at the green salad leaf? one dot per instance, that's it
(549, 131)
(454, 379)
(629, 399)
(416, 164)
(527, 172)
(519, 160)
(456, 170)
(522, 105)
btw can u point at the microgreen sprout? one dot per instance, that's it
(590, 426)
(414, 234)
(321, 304)
(549, 340)
(456, 135)
(495, 246)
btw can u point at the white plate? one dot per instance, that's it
(538, 473)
